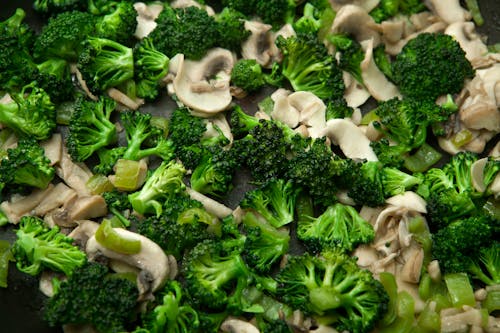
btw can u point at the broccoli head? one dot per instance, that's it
(275, 12)
(119, 23)
(338, 226)
(91, 128)
(367, 188)
(351, 54)
(54, 77)
(430, 65)
(30, 113)
(231, 28)
(38, 247)
(26, 166)
(105, 63)
(53, 7)
(247, 74)
(317, 17)
(334, 287)
(308, 66)
(93, 295)
(486, 267)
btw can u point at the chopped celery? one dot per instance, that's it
(425, 157)
(5, 257)
(98, 184)
(460, 289)
(492, 301)
(389, 282)
(129, 175)
(109, 238)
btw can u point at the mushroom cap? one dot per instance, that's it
(260, 44)
(204, 85)
(448, 10)
(354, 20)
(465, 34)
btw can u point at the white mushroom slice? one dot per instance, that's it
(87, 207)
(55, 198)
(448, 10)
(124, 100)
(448, 146)
(355, 93)
(220, 121)
(152, 262)
(280, 92)
(367, 5)
(412, 268)
(480, 112)
(366, 255)
(53, 148)
(344, 198)
(233, 325)
(351, 139)
(146, 16)
(460, 322)
(392, 31)
(79, 77)
(285, 31)
(373, 79)
(311, 108)
(82, 233)
(204, 85)
(464, 33)
(355, 21)
(19, 206)
(409, 200)
(434, 271)
(210, 204)
(284, 112)
(45, 284)
(260, 44)
(75, 175)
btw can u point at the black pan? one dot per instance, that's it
(21, 303)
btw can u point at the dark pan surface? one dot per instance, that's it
(21, 303)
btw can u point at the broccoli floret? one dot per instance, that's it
(14, 29)
(38, 247)
(317, 16)
(26, 166)
(31, 113)
(90, 128)
(390, 8)
(333, 286)
(117, 203)
(171, 313)
(182, 224)
(190, 31)
(107, 159)
(105, 63)
(275, 201)
(460, 168)
(165, 181)
(338, 108)
(275, 326)
(351, 54)
(264, 244)
(54, 77)
(210, 268)
(367, 188)
(308, 66)
(53, 7)
(93, 295)
(247, 7)
(431, 65)
(150, 67)
(461, 239)
(241, 123)
(338, 226)
(214, 173)
(395, 181)
(486, 267)
(231, 28)
(383, 61)
(118, 24)
(490, 171)
(139, 133)
(275, 12)
(63, 35)
(247, 74)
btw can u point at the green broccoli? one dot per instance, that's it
(333, 287)
(105, 63)
(264, 244)
(317, 18)
(274, 201)
(107, 159)
(247, 7)
(53, 7)
(338, 108)
(63, 35)
(93, 295)
(241, 123)
(338, 226)
(395, 181)
(190, 31)
(308, 66)
(390, 8)
(275, 12)
(15, 30)
(119, 23)
(247, 74)
(351, 54)
(231, 29)
(490, 172)
(54, 77)
(90, 128)
(117, 203)
(150, 67)
(165, 181)
(30, 113)
(486, 266)
(383, 61)
(38, 247)
(431, 65)
(367, 188)
(26, 166)
(171, 313)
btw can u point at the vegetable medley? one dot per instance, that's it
(299, 214)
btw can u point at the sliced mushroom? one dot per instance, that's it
(146, 16)
(448, 10)
(124, 100)
(55, 198)
(351, 139)
(480, 112)
(83, 232)
(355, 93)
(81, 208)
(311, 108)
(204, 85)
(284, 112)
(152, 262)
(53, 148)
(260, 44)
(233, 325)
(45, 284)
(373, 79)
(465, 34)
(409, 200)
(75, 175)
(19, 206)
(212, 206)
(367, 5)
(410, 272)
(460, 322)
(355, 21)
